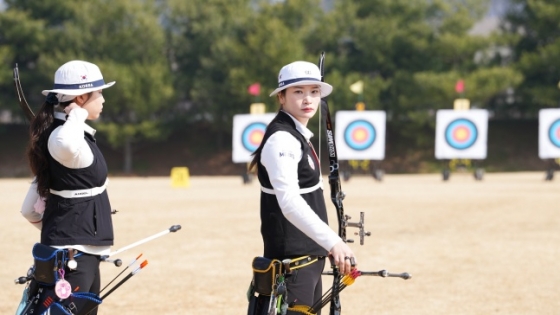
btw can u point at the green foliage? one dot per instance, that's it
(536, 42)
(5, 58)
(124, 38)
(204, 43)
(22, 41)
(118, 133)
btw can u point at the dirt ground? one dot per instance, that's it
(488, 247)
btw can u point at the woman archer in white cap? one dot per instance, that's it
(293, 211)
(67, 199)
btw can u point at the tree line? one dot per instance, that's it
(181, 63)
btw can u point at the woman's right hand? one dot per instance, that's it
(70, 107)
(343, 256)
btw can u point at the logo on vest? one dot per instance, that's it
(311, 163)
(286, 154)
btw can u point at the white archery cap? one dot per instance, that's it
(78, 77)
(301, 73)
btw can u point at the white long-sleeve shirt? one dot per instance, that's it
(68, 147)
(67, 144)
(28, 209)
(283, 174)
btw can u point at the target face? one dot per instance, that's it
(248, 133)
(549, 133)
(252, 136)
(461, 134)
(359, 135)
(554, 133)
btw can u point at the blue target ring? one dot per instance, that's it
(359, 135)
(554, 133)
(252, 136)
(461, 134)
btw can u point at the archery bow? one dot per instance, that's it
(339, 281)
(336, 196)
(336, 191)
(22, 101)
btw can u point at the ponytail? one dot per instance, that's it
(39, 132)
(256, 158)
(37, 152)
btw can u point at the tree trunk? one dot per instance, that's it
(127, 156)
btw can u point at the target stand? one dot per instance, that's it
(553, 165)
(362, 167)
(462, 166)
(549, 139)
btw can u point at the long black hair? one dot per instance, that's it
(37, 152)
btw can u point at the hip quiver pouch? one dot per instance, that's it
(47, 262)
(265, 272)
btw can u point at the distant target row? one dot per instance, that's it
(360, 135)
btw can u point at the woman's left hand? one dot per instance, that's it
(343, 257)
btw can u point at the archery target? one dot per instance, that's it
(549, 133)
(360, 135)
(248, 132)
(461, 134)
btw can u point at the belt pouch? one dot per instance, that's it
(47, 261)
(264, 274)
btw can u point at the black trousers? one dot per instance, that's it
(86, 277)
(305, 287)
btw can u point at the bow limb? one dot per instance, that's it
(22, 101)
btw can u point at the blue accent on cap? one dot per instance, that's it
(79, 86)
(283, 83)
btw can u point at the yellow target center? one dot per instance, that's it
(461, 134)
(360, 135)
(257, 137)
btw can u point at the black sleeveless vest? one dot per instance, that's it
(78, 221)
(281, 238)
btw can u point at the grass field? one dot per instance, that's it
(488, 247)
